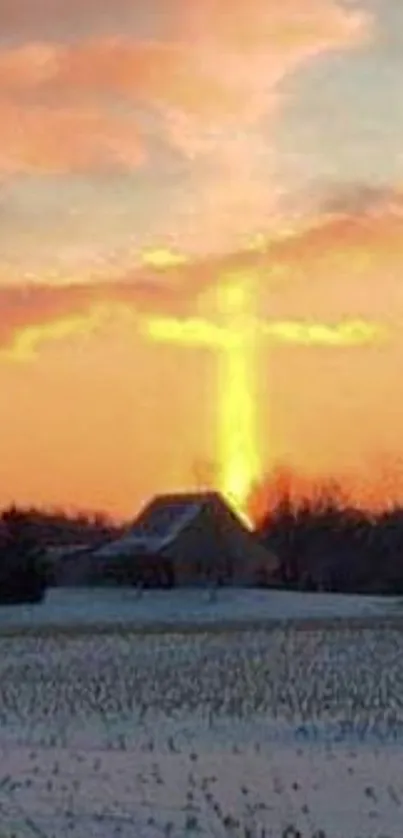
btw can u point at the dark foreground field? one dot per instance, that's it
(240, 733)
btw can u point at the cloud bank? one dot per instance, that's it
(80, 103)
(308, 275)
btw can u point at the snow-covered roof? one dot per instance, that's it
(61, 551)
(157, 526)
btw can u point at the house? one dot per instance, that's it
(68, 564)
(183, 540)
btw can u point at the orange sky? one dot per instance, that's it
(104, 418)
(169, 131)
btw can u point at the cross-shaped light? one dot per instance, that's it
(238, 335)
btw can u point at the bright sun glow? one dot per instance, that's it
(237, 443)
(236, 448)
(238, 336)
(162, 258)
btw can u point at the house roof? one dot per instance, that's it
(61, 551)
(161, 521)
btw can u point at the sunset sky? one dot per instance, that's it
(252, 139)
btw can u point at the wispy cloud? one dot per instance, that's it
(61, 140)
(73, 104)
(83, 102)
(360, 199)
(318, 274)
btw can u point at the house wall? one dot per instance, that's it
(248, 561)
(254, 564)
(149, 570)
(195, 554)
(215, 547)
(72, 571)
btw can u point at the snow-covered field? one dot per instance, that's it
(227, 734)
(65, 608)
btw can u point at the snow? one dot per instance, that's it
(104, 793)
(123, 607)
(142, 538)
(146, 735)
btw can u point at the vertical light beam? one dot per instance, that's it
(238, 437)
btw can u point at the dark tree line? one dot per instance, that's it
(322, 543)
(25, 534)
(325, 544)
(23, 576)
(57, 527)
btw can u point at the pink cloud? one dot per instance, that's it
(212, 84)
(44, 304)
(63, 139)
(327, 257)
(21, 19)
